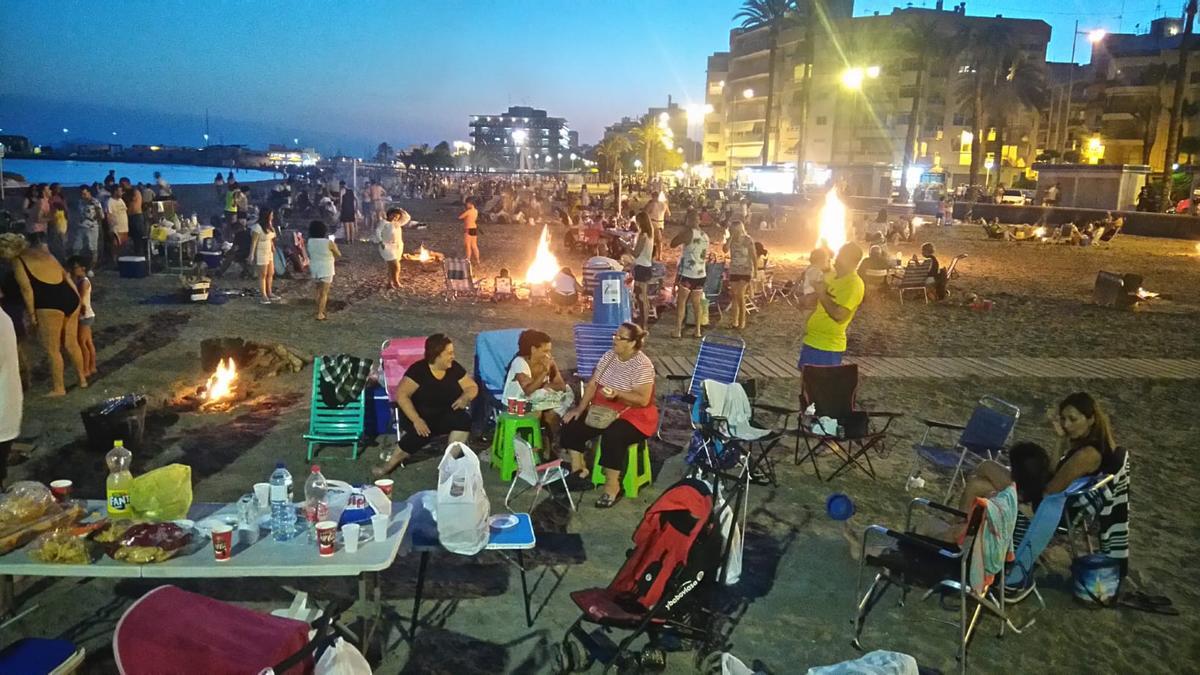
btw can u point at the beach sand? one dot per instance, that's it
(798, 584)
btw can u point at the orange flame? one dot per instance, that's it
(545, 266)
(423, 254)
(1039, 232)
(221, 383)
(832, 222)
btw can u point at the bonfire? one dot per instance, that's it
(545, 266)
(832, 222)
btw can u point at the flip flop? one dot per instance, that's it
(606, 501)
(1146, 598)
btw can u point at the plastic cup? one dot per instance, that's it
(262, 493)
(839, 506)
(379, 526)
(385, 484)
(326, 537)
(350, 534)
(222, 539)
(61, 489)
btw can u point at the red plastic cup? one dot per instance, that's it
(61, 489)
(222, 538)
(385, 484)
(326, 537)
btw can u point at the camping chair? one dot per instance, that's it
(459, 279)
(333, 426)
(1094, 503)
(832, 391)
(914, 280)
(718, 445)
(494, 351)
(395, 356)
(592, 340)
(952, 268)
(714, 286)
(536, 476)
(719, 359)
(938, 566)
(984, 436)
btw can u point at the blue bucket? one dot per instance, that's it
(839, 506)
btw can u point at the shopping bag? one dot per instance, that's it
(462, 505)
(164, 493)
(355, 503)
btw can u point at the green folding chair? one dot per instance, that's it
(333, 426)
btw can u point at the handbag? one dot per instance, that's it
(600, 417)
(1096, 579)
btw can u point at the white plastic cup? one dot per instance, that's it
(350, 533)
(262, 493)
(379, 526)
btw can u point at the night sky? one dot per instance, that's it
(347, 75)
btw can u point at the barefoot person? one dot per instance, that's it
(691, 274)
(390, 235)
(87, 315)
(262, 252)
(322, 253)
(348, 213)
(742, 270)
(433, 397)
(838, 297)
(470, 218)
(52, 303)
(643, 267)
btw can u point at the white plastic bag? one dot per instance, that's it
(462, 505)
(731, 532)
(350, 504)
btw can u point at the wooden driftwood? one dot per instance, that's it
(253, 358)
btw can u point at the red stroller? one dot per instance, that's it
(663, 586)
(170, 630)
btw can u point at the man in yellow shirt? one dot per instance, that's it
(838, 298)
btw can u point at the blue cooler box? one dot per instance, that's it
(611, 301)
(377, 418)
(212, 259)
(133, 267)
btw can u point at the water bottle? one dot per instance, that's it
(283, 517)
(116, 487)
(316, 505)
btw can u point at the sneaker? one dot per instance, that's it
(265, 301)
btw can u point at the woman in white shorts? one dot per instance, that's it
(322, 252)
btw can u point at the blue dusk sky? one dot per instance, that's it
(349, 74)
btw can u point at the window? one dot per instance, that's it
(963, 70)
(924, 149)
(821, 120)
(798, 72)
(959, 120)
(712, 147)
(938, 133)
(908, 92)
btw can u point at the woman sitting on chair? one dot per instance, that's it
(534, 377)
(617, 406)
(433, 398)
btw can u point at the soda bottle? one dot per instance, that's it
(316, 506)
(116, 487)
(283, 517)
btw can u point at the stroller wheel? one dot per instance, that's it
(653, 660)
(571, 657)
(709, 664)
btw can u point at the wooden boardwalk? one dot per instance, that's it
(933, 367)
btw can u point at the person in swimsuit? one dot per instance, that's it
(53, 306)
(470, 217)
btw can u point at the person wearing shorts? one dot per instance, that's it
(838, 298)
(470, 218)
(692, 272)
(643, 268)
(322, 252)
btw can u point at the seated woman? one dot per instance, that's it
(936, 277)
(533, 376)
(874, 268)
(623, 382)
(433, 398)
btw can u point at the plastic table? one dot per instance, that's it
(519, 538)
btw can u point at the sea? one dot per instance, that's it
(71, 172)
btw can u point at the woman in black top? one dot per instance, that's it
(433, 398)
(349, 214)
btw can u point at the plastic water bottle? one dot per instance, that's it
(316, 505)
(116, 487)
(283, 517)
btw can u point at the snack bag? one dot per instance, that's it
(162, 494)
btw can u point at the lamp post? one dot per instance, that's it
(518, 138)
(852, 80)
(987, 179)
(1093, 36)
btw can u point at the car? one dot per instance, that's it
(1017, 196)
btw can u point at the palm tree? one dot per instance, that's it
(1176, 121)
(611, 150)
(1146, 114)
(774, 15)
(1020, 84)
(934, 49)
(983, 67)
(649, 137)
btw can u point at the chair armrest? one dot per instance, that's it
(928, 504)
(552, 464)
(678, 378)
(777, 409)
(936, 424)
(908, 540)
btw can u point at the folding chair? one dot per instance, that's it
(914, 280)
(459, 279)
(395, 356)
(719, 359)
(536, 476)
(832, 391)
(333, 426)
(592, 340)
(494, 351)
(984, 436)
(1104, 502)
(938, 566)
(717, 444)
(714, 286)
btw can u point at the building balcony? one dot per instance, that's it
(751, 45)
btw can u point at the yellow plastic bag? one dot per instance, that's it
(162, 494)
(159, 233)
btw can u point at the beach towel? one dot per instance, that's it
(343, 378)
(993, 545)
(1110, 507)
(730, 402)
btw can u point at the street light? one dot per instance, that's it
(1094, 36)
(853, 78)
(637, 164)
(518, 137)
(749, 93)
(988, 164)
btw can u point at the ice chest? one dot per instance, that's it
(133, 267)
(378, 419)
(212, 259)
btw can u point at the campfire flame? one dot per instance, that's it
(1039, 232)
(423, 254)
(545, 266)
(221, 383)
(832, 222)
(1144, 294)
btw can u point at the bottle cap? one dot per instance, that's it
(118, 443)
(278, 465)
(316, 468)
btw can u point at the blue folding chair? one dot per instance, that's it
(494, 351)
(592, 341)
(984, 436)
(719, 359)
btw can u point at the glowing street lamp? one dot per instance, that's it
(637, 164)
(1097, 35)
(988, 164)
(749, 93)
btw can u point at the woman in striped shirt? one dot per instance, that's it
(623, 382)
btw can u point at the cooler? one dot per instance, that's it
(212, 259)
(378, 415)
(611, 304)
(133, 267)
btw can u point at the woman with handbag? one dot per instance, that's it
(617, 406)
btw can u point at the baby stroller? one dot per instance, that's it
(664, 587)
(170, 630)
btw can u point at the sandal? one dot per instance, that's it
(1155, 604)
(607, 501)
(579, 481)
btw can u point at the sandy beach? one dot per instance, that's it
(796, 597)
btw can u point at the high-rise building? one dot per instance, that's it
(713, 134)
(522, 137)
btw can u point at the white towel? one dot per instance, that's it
(729, 401)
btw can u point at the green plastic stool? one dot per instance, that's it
(631, 481)
(508, 425)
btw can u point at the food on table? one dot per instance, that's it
(113, 530)
(150, 542)
(28, 509)
(61, 547)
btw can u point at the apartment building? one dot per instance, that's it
(537, 142)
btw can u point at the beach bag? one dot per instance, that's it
(600, 417)
(355, 503)
(1096, 579)
(462, 505)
